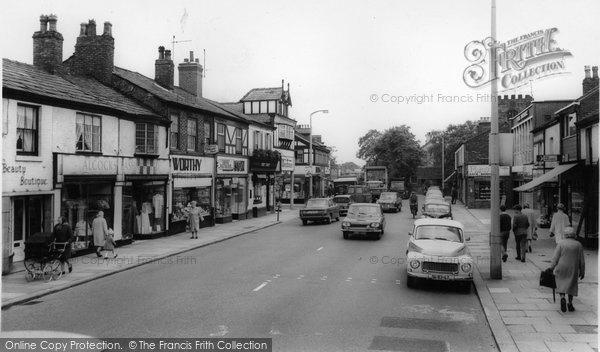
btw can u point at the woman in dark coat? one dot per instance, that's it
(63, 236)
(568, 263)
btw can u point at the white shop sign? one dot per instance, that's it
(229, 165)
(26, 177)
(190, 165)
(486, 171)
(111, 165)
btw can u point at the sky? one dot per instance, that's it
(368, 63)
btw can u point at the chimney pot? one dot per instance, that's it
(43, 23)
(107, 29)
(197, 61)
(161, 52)
(191, 56)
(91, 28)
(595, 72)
(167, 54)
(186, 60)
(587, 71)
(52, 23)
(83, 30)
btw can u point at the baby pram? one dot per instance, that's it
(42, 257)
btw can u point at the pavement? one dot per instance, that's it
(521, 314)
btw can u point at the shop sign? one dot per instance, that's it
(227, 165)
(21, 176)
(191, 165)
(327, 171)
(486, 171)
(263, 165)
(548, 158)
(106, 165)
(287, 163)
(211, 149)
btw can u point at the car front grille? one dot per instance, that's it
(440, 267)
(362, 226)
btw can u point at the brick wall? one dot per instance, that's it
(94, 54)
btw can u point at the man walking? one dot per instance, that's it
(560, 221)
(505, 223)
(520, 226)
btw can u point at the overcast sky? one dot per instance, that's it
(338, 55)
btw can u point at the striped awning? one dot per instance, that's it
(547, 177)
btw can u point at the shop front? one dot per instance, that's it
(27, 204)
(131, 192)
(192, 181)
(262, 184)
(522, 174)
(284, 180)
(478, 186)
(231, 186)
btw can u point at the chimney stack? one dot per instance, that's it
(190, 76)
(48, 46)
(164, 69)
(94, 54)
(590, 81)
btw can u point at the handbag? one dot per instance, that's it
(535, 235)
(547, 279)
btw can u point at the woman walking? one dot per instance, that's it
(195, 216)
(569, 265)
(99, 230)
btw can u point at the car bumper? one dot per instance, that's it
(361, 230)
(440, 268)
(322, 216)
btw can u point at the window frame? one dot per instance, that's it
(221, 136)
(175, 133)
(81, 149)
(239, 146)
(34, 130)
(194, 136)
(146, 138)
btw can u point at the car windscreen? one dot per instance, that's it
(341, 200)
(387, 198)
(363, 210)
(437, 208)
(317, 203)
(438, 232)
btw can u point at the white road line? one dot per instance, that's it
(349, 279)
(318, 249)
(260, 286)
(300, 277)
(324, 277)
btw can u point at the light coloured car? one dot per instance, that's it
(364, 219)
(390, 201)
(437, 251)
(320, 209)
(437, 209)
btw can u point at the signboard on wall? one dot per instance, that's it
(20, 176)
(192, 165)
(287, 163)
(232, 165)
(110, 165)
(486, 171)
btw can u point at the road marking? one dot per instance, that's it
(318, 249)
(300, 277)
(222, 331)
(373, 281)
(349, 279)
(324, 277)
(276, 276)
(261, 286)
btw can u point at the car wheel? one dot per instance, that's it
(411, 281)
(304, 222)
(346, 235)
(328, 220)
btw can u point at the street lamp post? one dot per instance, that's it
(310, 151)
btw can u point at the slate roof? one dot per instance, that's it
(238, 108)
(262, 94)
(25, 78)
(177, 95)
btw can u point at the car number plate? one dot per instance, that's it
(440, 277)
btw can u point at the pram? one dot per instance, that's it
(42, 257)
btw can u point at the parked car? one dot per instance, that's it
(437, 251)
(343, 201)
(390, 201)
(437, 209)
(320, 209)
(364, 219)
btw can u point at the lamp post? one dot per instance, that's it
(310, 152)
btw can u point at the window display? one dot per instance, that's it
(144, 207)
(230, 197)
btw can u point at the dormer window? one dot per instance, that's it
(263, 107)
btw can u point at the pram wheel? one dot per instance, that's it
(29, 276)
(52, 270)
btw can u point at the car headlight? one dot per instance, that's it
(374, 224)
(466, 267)
(415, 264)
(345, 224)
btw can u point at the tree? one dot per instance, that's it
(454, 136)
(396, 148)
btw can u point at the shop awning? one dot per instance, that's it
(449, 177)
(529, 186)
(345, 179)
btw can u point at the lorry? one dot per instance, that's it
(376, 179)
(399, 186)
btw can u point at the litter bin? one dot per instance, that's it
(255, 212)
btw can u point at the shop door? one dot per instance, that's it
(28, 218)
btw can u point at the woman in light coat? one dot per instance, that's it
(195, 217)
(569, 265)
(99, 231)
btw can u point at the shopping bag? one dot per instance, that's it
(547, 279)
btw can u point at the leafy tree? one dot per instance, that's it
(366, 146)
(454, 136)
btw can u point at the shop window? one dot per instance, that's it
(182, 198)
(81, 202)
(27, 130)
(143, 207)
(192, 134)
(89, 133)
(221, 136)
(174, 132)
(146, 138)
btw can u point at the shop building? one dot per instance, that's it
(73, 146)
(303, 172)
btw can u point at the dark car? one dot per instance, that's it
(390, 201)
(437, 209)
(320, 209)
(344, 201)
(364, 219)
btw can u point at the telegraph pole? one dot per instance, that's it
(494, 157)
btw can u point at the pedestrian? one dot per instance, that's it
(454, 194)
(99, 231)
(520, 227)
(195, 217)
(109, 244)
(568, 264)
(530, 213)
(505, 225)
(63, 236)
(559, 222)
